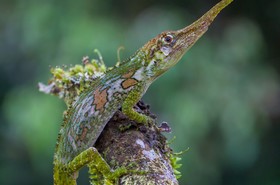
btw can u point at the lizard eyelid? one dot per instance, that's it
(168, 38)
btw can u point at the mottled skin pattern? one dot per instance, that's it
(97, 105)
(123, 86)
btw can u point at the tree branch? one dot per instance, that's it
(139, 148)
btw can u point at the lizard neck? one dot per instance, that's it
(134, 67)
(136, 61)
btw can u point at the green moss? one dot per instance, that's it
(174, 161)
(68, 83)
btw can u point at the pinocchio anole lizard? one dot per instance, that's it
(123, 86)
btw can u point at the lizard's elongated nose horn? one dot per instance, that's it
(194, 31)
(212, 13)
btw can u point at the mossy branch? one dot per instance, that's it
(142, 149)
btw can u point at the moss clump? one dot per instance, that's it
(68, 83)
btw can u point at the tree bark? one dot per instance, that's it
(138, 147)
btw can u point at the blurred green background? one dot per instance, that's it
(222, 100)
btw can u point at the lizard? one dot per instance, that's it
(121, 87)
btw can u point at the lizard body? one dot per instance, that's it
(121, 87)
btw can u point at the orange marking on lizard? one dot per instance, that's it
(128, 75)
(128, 83)
(100, 99)
(84, 133)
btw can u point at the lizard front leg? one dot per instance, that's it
(127, 108)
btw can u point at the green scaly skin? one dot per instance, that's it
(123, 86)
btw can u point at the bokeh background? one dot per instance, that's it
(222, 100)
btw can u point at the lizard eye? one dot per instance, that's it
(168, 39)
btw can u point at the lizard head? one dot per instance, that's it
(166, 49)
